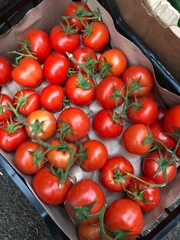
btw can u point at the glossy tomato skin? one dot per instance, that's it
(5, 70)
(105, 126)
(55, 68)
(78, 122)
(29, 158)
(88, 231)
(51, 97)
(5, 113)
(113, 174)
(46, 122)
(146, 197)
(124, 215)
(171, 121)
(110, 92)
(77, 90)
(27, 101)
(82, 193)
(46, 186)
(28, 73)
(98, 38)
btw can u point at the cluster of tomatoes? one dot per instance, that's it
(75, 97)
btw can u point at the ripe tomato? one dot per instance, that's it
(38, 43)
(88, 231)
(11, 135)
(73, 124)
(137, 139)
(158, 166)
(146, 197)
(112, 62)
(171, 121)
(143, 111)
(107, 124)
(5, 71)
(55, 68)
(51, 97)
(96, 36)
(46, 186)
(5, 113)
(28, 73)
(93, 155)
(83, 193)
(110, 92)
(58, 157)
(124, 216)
(29, 157)
(113, 174)
(139, 77)
(161, 112)
(80, 89)
(26, 101)
(41, 124)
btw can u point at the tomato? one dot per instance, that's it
(110, 92)
(41, 124)
(140, 78)
(113, 174)
(27, 101)
(96, 36)
(28, 73)
(107, 124)
(161, 112)
(46, 186)
(73, 124)
(51, 97)
(58, 157)
(159, 166)
(112, 62)
(171, 121)
(63, 39)
(80, 89)
(93, 155)
(11, 135)
(125, 217)
(37, 42)
(83, 193)
(5, 113)
(55, 68)
(136, 139)
(145, 196)
(143, 111)
(29, 157)
(5, 70)
(88, 231)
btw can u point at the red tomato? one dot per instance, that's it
(28, 73)
(137, 139)
(113, 174)
(57, 157)
(51, 97)
(143, 111)
(110, 92)
(158, 166)
(88, 231)
(5, 71)
(47, 187)
(112, 62)
(93, 155)
(124, 216)
(145, 196)
(74, 124)
(107, 124)
(171, 121)
(11, 135)
(5, 113)
(26, 101)
(81, 194)
(37, 42)
(96, 36)
(56, 68)
(41, 124)
(161, 112)
(80, 89)
(139, 77)
(29, 157)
